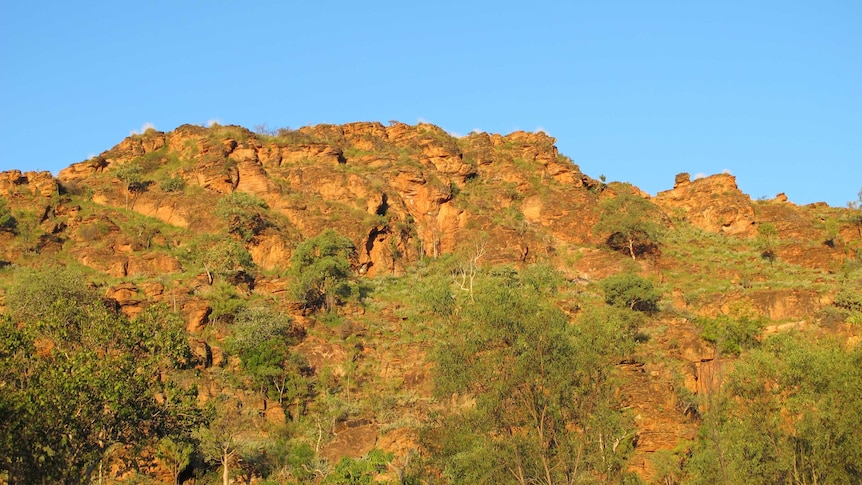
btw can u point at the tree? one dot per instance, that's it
(78, 380)
(630, 223)
(132, 176)
(175, 456)
(362, 471)
(172, 184)
(262, 338)
(543, 410)
(321, 266)
(218, 256)
(7, 222)
(768, 234)
(468, 268)
(225, 302)
(628, 290)
(225, 437)
(244, 214)
(789, 413)
(731, 334)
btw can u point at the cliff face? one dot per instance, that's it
(134, 214)
(389, 188)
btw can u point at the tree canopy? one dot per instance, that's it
(628, 290)
(789, 413)
(321, 266)
(78, 378)
(244, 214)
(262, 338)
(630, 223)
(542, 407)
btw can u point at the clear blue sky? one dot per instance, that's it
(635, 90)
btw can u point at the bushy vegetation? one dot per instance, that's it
(548, 414)
(132, 176)
(244, 213)
(7, 222)
(322, 266)
(630, 223)
(730, 334)
(172, 184)
(262, 338)
(627, 290)
(216, 256)
(362, 471)
(787, 414)
(80, 380)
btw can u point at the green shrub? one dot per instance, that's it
(630, 223)
(788, 412)
(849, 299)
(7, 222)
(363, 471)
(95, 384)
(172, 184)
(262, 338)
(217, 256)
(225, 302)
(434, 294)
(321, 266)
(244, 214)
(532, 371)
(94, 231)
(731, 335)
(628, 290)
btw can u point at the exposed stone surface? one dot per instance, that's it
(197, 312)
(127, 297)
(711, 203)
(14, 182)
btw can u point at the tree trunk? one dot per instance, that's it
(225, 476)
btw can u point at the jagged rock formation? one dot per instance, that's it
(391, 189)
(712, 203)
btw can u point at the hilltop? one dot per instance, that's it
(380, 245)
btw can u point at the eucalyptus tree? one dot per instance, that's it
(539, 405)
(79, 379)
(321, 267)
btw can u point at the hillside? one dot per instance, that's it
(391, 303)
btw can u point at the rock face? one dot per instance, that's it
(712, 203)
(394, 190)
(15, 183)
(400, 192)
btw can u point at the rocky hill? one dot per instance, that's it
(213, 221)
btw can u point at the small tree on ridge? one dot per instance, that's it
(630, 224)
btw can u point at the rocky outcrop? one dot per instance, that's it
(713, 203)
(127, 297)
(392, 189)
(775, 304)
(197, 312)
(15, 183)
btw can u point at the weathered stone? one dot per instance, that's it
(197, 312)
(713, 203)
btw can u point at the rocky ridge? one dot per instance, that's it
(404, 193)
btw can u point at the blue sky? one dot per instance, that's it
(635, 90)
